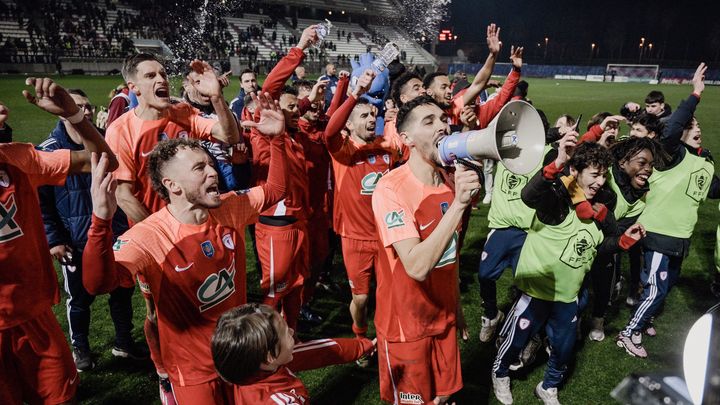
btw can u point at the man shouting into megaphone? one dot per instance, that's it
(418, 213)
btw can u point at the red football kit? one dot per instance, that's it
(281, 233)
(415, 321)
(283, 387)
(194, 273)
(132, 139)
(35, 361)
(357, 168)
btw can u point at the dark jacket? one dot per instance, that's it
(552, 204)
(6, 134)
(238, 103)
(67, 210)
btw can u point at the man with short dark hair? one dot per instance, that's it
(248, 84)
(332, 78)
(189, 255)
(418, 212)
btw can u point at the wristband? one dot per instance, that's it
(77, 117)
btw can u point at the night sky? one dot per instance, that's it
(681, 31)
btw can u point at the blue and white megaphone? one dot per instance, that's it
(516, 137)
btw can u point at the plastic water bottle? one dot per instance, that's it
(322, 30)
(386, 56)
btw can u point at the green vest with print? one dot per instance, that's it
(555, 258)
(506, 207)
(624, 209)
(675, 196)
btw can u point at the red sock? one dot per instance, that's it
(358, 331)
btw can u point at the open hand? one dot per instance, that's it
(698, 79)
(50, 97)
(516, 55)
(493, 39)
(272, 120)
(102, 187)
(204, 80)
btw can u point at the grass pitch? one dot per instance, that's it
(597, 367)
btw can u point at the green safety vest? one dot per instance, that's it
(506, 207)
(623, 209)
(675, 195)
(555, 258)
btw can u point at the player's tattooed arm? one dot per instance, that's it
(51, 97)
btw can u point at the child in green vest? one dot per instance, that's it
(678, 189)
(570, 223)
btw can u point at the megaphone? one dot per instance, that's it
(516, 137)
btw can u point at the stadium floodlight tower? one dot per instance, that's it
(632, 72)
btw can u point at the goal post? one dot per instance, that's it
(631, 72)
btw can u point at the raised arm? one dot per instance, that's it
(286, 66)
(332, 134)
(539, 192)
(207, 83)
(101, 274)
(483, 75)
(488, 111)
(340, 93)
(51, 97)
(672, 133)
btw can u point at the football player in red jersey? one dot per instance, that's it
(36, 365)
(185, 254)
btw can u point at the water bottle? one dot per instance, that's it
(322, 30)
(389, 53)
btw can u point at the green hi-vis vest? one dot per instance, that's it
(717, 248)
(506, 207)
(675, 195)
(624, 209)
(555, 258)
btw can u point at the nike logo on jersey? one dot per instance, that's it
(181, 269)
(424, 227)
(145, 154)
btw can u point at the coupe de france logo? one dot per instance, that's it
(228, 241)
(4, 179)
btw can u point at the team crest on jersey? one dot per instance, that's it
(410, 398)
(386, 159)
(394, 219)
(663, 275)
(512, 184)
(208, 249)
(163, 137)
(524, 323)
(698, 184)
(182, 134)
(444, 206)
(372, 159)
(369, 182)
(217, 287)
(4, 179)
(228, 241)
(579, 250)
(9, 228)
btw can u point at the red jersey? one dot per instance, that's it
(456, 106)
(132, 139)
(486, 112)
(407, 309)
(195, 273)
(28, 284)
(357, 169)
(283, 387)
(317, 164)
(296, 203)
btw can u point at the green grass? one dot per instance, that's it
(597, 368)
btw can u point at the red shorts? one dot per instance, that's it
(36, 365)
(416, 372)
(360, 258)
(317, 229)
(283, 254)
(212, 392)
